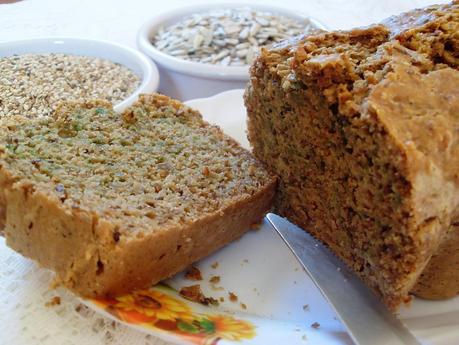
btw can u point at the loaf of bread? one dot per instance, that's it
(362, 127)
(116, 202)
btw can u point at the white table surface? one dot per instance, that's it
(30, 322)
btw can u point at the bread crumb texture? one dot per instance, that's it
(157, 164)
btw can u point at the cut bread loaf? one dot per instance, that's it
(362, 127)
(116, 202)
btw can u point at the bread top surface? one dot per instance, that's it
(430, 33)
(417, 18)
(360, 58)
(156, 165)
(434, 27)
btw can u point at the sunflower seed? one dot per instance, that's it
(197, 40)
(221, 55)
(249, 56)
(244, 33)
(262, 21)
(254, 29)
(242, 45)
(242, 53)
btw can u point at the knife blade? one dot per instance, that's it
(366, 318)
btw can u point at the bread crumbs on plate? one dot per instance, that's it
(56, 300)
(214, 279)
(245, 261)
(232, 297)
(193, 273)
(214, 265)
(243, 306)
(315, 325)
(194, 293)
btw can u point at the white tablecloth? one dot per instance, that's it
(119, 20)
(30, 321)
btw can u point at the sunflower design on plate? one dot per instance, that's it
(162, 309)
(154, 304)
(229, 328)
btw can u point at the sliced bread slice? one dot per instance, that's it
(116, 202)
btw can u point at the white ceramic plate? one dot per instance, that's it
(281, 301)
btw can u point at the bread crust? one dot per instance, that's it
(79, 245)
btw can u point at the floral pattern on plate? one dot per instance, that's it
(162, 309)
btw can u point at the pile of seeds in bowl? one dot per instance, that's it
(228, 37)
(33, 84)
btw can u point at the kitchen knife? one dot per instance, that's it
(366, 318)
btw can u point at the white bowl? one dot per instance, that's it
(132, 59)
(186, 80)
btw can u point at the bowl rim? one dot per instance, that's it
(198, 69)
(149, 72)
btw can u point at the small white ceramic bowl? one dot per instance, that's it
(131, 58)
(187, 79)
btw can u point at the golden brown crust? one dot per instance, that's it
(80, 246)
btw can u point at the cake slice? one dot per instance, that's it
(116, 202)
(362, 127)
